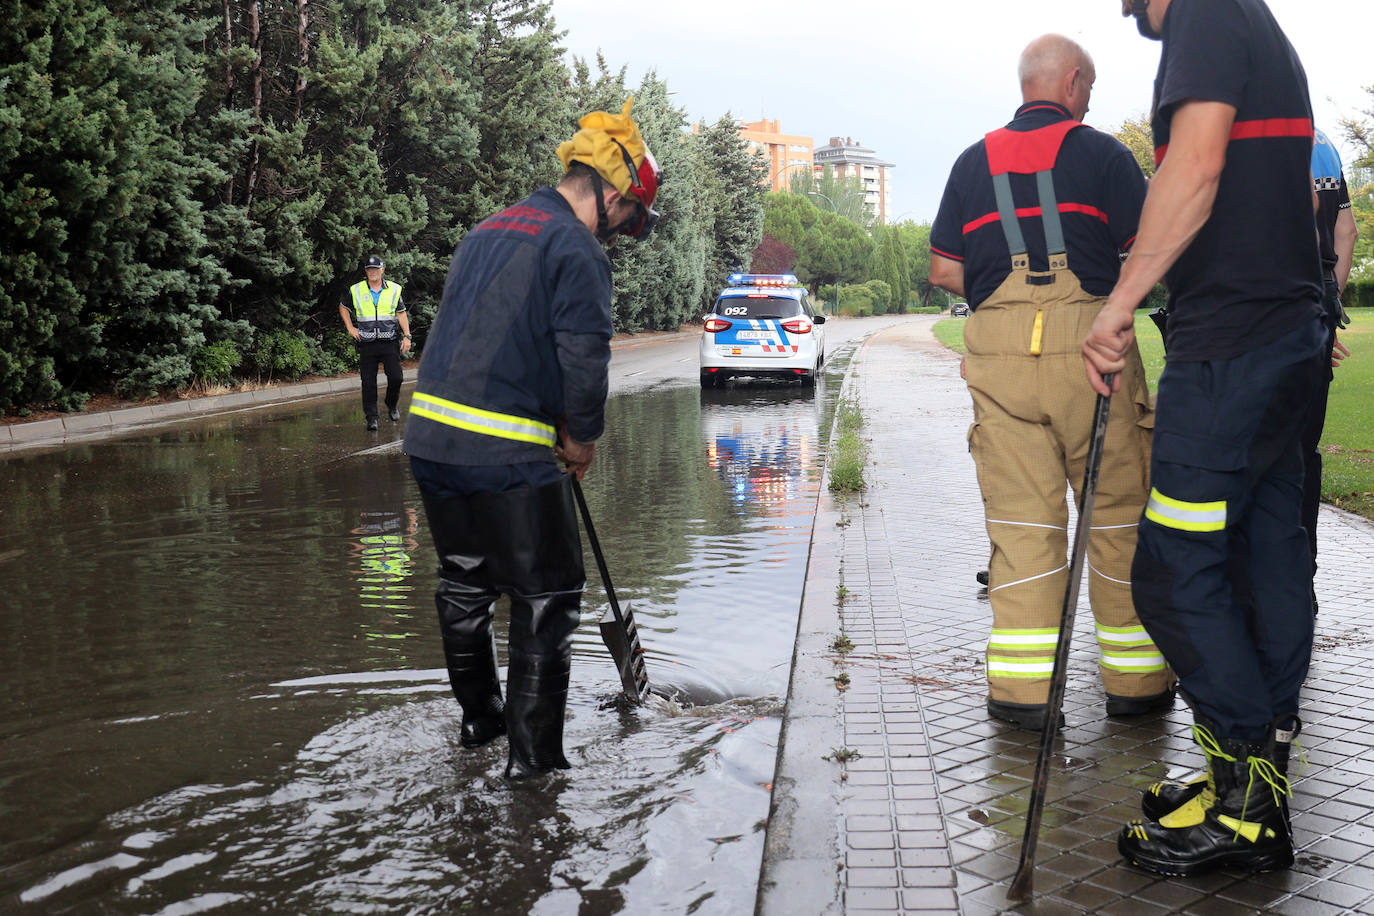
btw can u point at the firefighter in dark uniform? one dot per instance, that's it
(1228, 222)
(374, 314)
(1030, 230)
(514, 375)
(1336, 236)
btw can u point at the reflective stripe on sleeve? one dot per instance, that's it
(1185, 516)
(486, 422)
(1002, 666)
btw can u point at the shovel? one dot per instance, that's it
(1022, 883)
(617, 625)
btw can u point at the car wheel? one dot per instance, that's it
(710, 379)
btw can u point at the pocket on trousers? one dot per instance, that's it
(1152, 587)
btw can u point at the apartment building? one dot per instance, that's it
(787, 154)
(847, 157)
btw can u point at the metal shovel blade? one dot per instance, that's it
(622, 639)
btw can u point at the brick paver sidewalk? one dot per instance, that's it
(929, 816)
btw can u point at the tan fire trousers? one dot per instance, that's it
(1033, 418)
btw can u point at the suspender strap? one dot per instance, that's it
(1006, 212)
(1049, 214)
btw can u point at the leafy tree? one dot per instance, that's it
(829, 248)
(1136, 134)
(915, 238)
(885, 267)
(773, 257)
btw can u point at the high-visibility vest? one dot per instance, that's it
(375, 320)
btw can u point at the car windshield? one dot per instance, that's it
(754, 306)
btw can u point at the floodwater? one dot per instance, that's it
(221, 686)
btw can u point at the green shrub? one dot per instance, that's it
(881, 291)
(215, 363)
(339, 347)
(849, 452)
(283, 354)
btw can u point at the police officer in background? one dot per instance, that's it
(1030, 230)
(514, 375)
(374, 314)
(1336, 236)
(1228, 223)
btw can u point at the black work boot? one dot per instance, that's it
(1245, 828)
(470, 653)
(1030, 716)
(1140, 706)
(1165, 801)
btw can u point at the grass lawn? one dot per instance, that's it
(1347, 443)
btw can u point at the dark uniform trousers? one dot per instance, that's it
(1227, 469)
(387, 354)
(1315, 421)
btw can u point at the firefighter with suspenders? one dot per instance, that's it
(1030, 230)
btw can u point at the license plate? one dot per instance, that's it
(754, 335)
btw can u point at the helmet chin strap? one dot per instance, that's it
(603, 230)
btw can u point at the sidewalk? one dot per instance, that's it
(78, 427)
(929, 817)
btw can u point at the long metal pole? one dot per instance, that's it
(1022, 883)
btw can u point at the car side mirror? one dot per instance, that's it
(819, 319)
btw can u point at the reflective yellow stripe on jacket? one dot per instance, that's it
(486, 422)
(1185, 516)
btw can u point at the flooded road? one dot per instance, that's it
(222, 691)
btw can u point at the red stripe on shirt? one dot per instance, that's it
(1023, 212)
(1259, 129)
(946, 254)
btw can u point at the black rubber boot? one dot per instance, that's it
(1245, 828)
(537, 698)
(470, 652)
(540, 568)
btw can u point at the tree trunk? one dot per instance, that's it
(228, 83)
(303, 52)
(255, 37)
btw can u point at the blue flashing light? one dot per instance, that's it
(776, 280)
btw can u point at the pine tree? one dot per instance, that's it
(734, 180)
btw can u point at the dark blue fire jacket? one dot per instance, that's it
(522, 340)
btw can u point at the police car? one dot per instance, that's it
(762, 325)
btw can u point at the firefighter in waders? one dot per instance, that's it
(1030, 230)
(1228, 223)
(514, 375)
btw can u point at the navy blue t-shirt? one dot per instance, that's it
(1099, 188)
(1252, 274)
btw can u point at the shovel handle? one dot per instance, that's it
(596, 550)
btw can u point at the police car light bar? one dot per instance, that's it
(764, 280)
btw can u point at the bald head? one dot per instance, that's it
(1057, 69)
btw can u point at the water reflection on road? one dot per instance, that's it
(221, 681)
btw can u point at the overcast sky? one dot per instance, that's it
(920, 81)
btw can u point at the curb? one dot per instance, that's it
(82, 427)
(803, 858)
